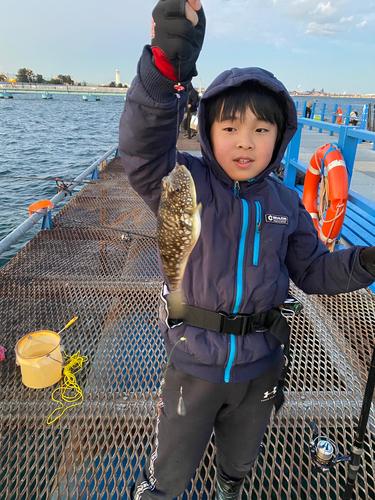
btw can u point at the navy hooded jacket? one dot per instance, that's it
(252, 241)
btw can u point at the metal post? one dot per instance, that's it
(364, 120)
(348, 111)
(296, 103)
(334, 116)
(47, 221)
(304, 109)
(322, 116)
(312, 114)
(292, 151)
(348, 146)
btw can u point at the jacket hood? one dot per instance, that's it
(233, 78)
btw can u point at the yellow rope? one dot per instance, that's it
(70, 391)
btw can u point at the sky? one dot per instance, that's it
(305, 43)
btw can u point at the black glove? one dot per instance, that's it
(367, 259)
(176, 37)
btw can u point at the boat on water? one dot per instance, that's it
(91, 97)
(98, 262)
(4, 94)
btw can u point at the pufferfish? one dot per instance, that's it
(178, 229)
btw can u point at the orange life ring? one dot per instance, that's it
(339, 117)
(329, 224)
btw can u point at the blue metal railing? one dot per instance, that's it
(319, 113)
(348, 140)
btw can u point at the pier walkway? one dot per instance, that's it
(99, 262)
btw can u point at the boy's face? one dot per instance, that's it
(243, 148)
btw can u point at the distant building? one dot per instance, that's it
(117, 77)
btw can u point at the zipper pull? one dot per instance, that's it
(237, 189)
(259, 227)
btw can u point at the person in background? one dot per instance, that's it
(309, 106)
(191, 109)
(353, 118)
(225, 356)
(338, 114)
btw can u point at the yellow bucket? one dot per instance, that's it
(39, 356)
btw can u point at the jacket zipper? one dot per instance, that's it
(257, 232)
(239, 284)
(237, 189)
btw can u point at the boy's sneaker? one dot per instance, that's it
(228, 490)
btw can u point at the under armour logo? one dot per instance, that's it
(269, 395)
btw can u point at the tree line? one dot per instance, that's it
(119, 85)
(25, 75)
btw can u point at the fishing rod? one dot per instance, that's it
(128, 234)
(56, 179)
(324, 451)
(358, 446)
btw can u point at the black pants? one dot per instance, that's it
(239, 413)
(308, 112)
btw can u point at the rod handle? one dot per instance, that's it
(71, 322)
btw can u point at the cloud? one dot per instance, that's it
(249, 20)
(360, 25)
(332, 11)
(324, 9)
(327, 29)
(346, 19)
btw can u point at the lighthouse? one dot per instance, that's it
(117, 77)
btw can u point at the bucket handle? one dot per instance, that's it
(58, 361)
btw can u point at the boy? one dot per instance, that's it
(225, 358)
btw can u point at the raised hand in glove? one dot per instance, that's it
(367, 259)
(177, 35)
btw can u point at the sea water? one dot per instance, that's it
(58, 137)
(342, 102)
(61, 137)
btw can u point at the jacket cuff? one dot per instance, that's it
(360, 273)
(367, 259)
(159, 87)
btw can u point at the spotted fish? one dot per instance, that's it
(178, 229)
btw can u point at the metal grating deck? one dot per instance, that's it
(82, 268)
